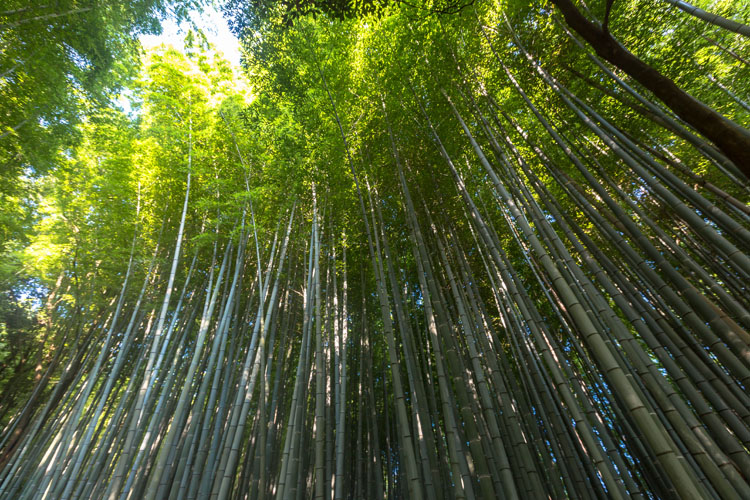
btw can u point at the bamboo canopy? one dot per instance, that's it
(437, 257)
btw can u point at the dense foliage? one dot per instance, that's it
(412, 251)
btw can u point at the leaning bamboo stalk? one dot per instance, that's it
(716, 20)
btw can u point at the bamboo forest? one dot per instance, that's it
(424, 249)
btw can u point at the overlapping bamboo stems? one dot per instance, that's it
(662, 391)
(696, 300)
(168, 445)
(659, 116)
(405, 439)
(526, 470)
(687, 252)
(289, 475)
(83, 449)
(479, 153)
(600, 258)
(341, 347)
(564, 290)
(404, 428)
(535, 382)
(59, 401)
(69, 371)
(422, 427)
(498, 453)
(197, 434)
(319, 365)
(423, 411)
(728, 330)
(256, 352)
(476, 215)
(580, 388)
(714, 19)
(739, 484)
(436, 322)
(551, 419)
(473, 402)
(599, 221)
(94, 418)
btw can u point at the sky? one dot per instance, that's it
(213, 25)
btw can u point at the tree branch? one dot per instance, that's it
(607, 10)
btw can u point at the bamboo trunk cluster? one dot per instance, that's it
(568, 319)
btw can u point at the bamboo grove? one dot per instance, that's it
(404, 255)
